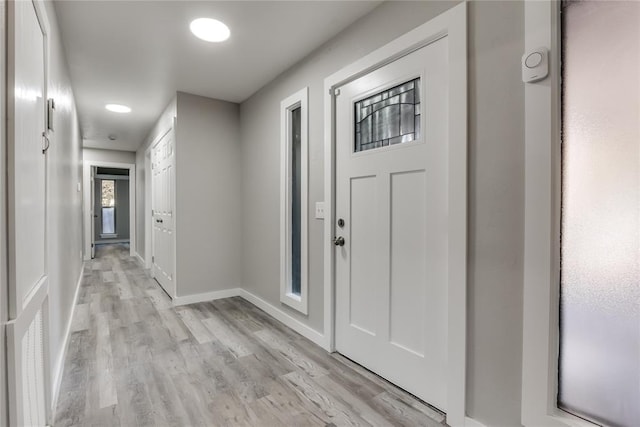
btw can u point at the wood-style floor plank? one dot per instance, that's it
(133, 359)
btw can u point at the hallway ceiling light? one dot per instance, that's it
(117, 108)
(210, 30)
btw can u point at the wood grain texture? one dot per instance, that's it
(135, 360)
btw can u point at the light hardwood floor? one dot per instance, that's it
(134, 359)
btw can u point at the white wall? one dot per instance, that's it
(64, 208)
(496, 162)
(113, 156)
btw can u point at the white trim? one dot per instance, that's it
(86, 202)
(206, 296)
(148, 222)
(542, 227)
(140, 260)
(147, 208)
(298, 99)
(289, 321)
(453, 25)
(471, 422)
(59, 367)
(4, 288)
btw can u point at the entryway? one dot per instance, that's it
(110, 206)
(396, 187)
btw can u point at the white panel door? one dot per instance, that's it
(162, 195)
(391, 199)
(28, 280)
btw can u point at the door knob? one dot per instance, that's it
(338, 241)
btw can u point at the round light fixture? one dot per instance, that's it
(117, 108)
(210, 30)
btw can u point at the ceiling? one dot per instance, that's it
(139, 53)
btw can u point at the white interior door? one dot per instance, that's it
(162, 195)
(391, 199)
(27, 329)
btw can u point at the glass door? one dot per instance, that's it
(599, 365)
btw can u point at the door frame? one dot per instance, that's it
(543, 171)
(4, 263)
(87, 203)
(148, 205)
(453, 25)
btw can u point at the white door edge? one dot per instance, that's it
(86, 202)
(451, 24)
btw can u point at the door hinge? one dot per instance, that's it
(45, 142)
(153, 259)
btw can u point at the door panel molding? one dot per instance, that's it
(453, 25)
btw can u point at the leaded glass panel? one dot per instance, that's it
(388, 117)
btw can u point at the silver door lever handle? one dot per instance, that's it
(338, 241)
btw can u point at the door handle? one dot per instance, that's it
(95, 216)
(338, 241)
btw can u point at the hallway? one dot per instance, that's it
(134, 359)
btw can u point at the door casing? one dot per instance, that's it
(148, 205)
(88, 203)
(453, 25)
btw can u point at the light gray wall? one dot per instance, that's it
(496, 185)
(164, 123)
(208, 221)
(208, 218)
(114, 156)
(64, 210)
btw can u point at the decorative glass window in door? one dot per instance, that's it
(108, 197)
(389, 117)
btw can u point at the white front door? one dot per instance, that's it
(162, 194)
(27, 330)
(391, 211)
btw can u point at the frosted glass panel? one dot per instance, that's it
(108, 220)
(388, 117)
(599, 375)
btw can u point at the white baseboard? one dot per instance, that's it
(283, 317)
(140, 260)
(59, 366)
(268, 308)
(470, 422)
(207, 296)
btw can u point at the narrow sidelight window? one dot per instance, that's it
(293, 242)
(296, 193)
(108, 197)
(599, 365)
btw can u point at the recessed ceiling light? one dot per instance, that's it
(112, 137)
(210, 30)
(117, 108)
